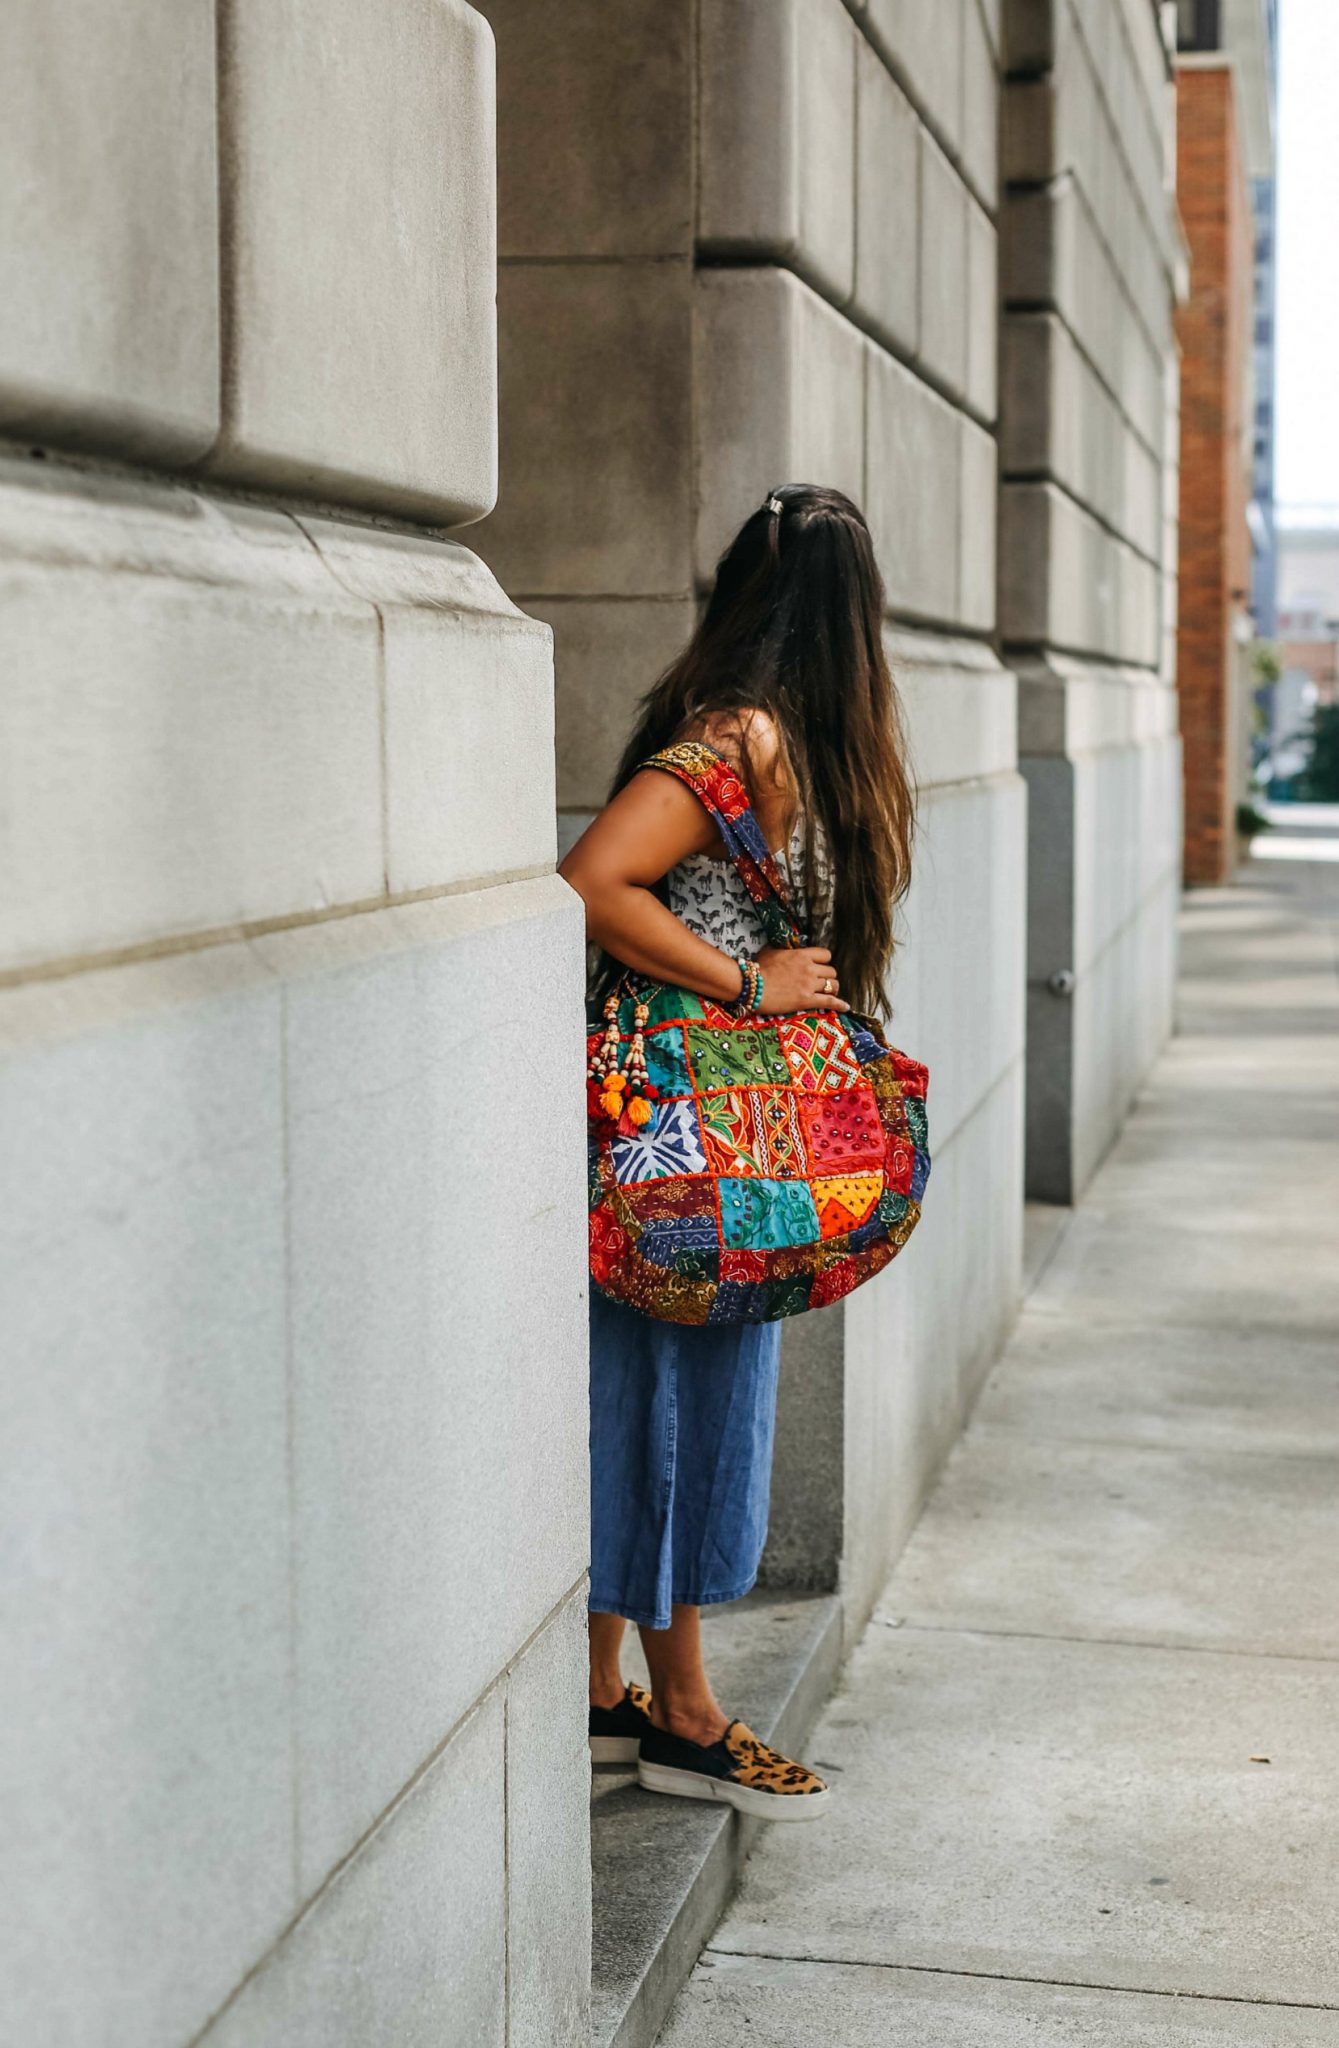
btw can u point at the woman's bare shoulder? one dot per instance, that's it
(749, 735)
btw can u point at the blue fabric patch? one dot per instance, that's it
(866, 1233)
(667, 1061)
(920, 1173)
(864, 1044)
(761, 1215)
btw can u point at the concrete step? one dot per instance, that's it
(663, 1869)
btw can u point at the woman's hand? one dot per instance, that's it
(798, 978)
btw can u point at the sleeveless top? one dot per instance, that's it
(709, 895)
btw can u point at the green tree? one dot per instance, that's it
(1267, 663)
(1318, 782)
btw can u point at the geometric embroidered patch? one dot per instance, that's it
(753, 1130)
(818, 1052)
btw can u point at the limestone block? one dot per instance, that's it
(607, 653)
(1060, 419)
(438, 1303)
(992, 13)
(805, 1519)
(1028, 129)
(1029, 34)
(941, 884)
(146, 1857)
(959, 706)
(982, 319)
(914, 470)
(887, 245)
(468, 683)
(359, 247)
(923, 41)
(976, 546)
(408, 1944)
(109, 226)
(1053, 821)
(1052, 254)
(779, 398)
(776, 135)
(943, 242)
(1097, 134)
(1049, 1096)
(980, 106)
(191, 726)
(1067, 582)
(548, 1837)
(571, 180)
(596, 431)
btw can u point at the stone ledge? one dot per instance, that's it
(663, 1869)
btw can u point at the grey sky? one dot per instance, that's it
(1308, 282)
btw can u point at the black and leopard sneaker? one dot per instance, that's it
(616, 1732)
(738, 1768)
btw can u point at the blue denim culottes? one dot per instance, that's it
(681, 1426)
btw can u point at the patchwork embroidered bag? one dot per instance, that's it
(745, 1167)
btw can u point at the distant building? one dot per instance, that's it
(1226, 71)
(1308, 609)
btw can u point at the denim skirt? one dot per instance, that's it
(681, 1426)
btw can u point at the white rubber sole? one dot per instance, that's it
(767, 1805)
(614, 1749)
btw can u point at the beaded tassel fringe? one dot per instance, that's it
(626, 1094)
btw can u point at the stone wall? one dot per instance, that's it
(742, 243)
(1090, 264)
(295, 1488)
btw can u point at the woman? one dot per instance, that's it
(785, 676)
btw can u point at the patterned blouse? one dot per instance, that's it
(709, 895)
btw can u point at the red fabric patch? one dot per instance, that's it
(743, 1265)
(898, 1164)
(675, 1194)
(608, 1242)
(834, 1281)
(843, 1132)
(726, 790)
(914, 1078)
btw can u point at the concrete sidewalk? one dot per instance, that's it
(1087, 1755)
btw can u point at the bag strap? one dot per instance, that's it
(719, 787)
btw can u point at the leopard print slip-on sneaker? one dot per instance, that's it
(616, 1732)
(738, 1769)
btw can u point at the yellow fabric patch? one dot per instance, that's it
(845, 1199)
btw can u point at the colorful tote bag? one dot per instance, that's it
(745, 1167)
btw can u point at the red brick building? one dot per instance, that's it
(1215, 332)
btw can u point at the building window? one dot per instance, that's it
(1197, 24)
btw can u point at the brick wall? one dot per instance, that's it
(1214, 331)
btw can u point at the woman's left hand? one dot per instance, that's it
(798, 978)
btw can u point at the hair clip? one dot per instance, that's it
(774, 504)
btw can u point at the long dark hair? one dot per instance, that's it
(794, 627)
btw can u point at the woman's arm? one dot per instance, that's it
(654, 821)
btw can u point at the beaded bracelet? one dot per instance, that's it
(750, 987)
